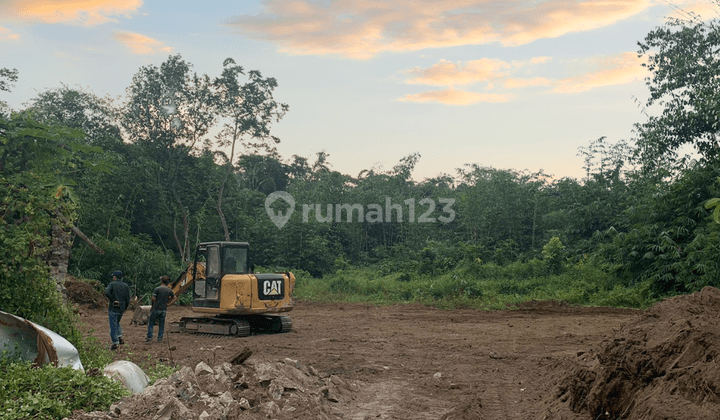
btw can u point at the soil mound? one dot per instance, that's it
(256, 390)
(85, 293)
(661, 365)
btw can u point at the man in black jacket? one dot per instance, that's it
(118, 293)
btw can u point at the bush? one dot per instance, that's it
(639, 296)
(141, 261)
(342, 284)
(553, 254)
(52, 393)
(404, 277)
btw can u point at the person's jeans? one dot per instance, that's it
(115, 328)
(160, 317)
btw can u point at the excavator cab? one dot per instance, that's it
(220, 258)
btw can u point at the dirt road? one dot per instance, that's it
(414, 362)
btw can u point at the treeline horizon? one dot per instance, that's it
(147, 181)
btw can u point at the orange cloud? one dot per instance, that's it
(140, 44)
(613, 70)
(6, 33)
(521, 83)
(360, 30)
(604, 71)
(552, 19)
(455, 97)
(446, 73)
(83, 12)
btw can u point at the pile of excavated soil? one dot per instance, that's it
(85, 294)
(257, 390)
(665, 364)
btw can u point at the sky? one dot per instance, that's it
(505, 84)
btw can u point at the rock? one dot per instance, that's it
(265, 372)
(187, 392)
(244, 404)
(275, 390)
(233, 411)
(160, 392)
(235, 408)
(330, 392)
(173, 409)
(312, 370)
(209, 385)
(185, 374)
(202, 368)
(223, 373)
(226, 397)
(270, 408)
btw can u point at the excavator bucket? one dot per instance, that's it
(141, 315)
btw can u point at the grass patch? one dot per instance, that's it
(476, 287)
(156, 370)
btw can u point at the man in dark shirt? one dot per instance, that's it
(160, 298)
(118, 293)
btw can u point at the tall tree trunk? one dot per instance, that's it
(219, 204)
(59, 255)
(222, 189)
(185, 245)
(177, 240)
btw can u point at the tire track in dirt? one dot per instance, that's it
(501, 397)
(377, 401)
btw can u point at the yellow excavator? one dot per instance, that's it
(233, 299)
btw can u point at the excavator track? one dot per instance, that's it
(238, 327)
(217, 326)
(271, 323)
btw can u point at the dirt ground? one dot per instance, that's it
(412, 362)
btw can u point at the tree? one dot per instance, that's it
(248, 111)
(97, 117)
(7, 78)
(169, 112)
(168, 107)
(684, 61)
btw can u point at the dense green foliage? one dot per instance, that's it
(52, 393)
(35, 161)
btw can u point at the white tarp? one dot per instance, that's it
(129, 374)
(30, 341)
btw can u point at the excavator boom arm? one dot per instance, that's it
(186, 279)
